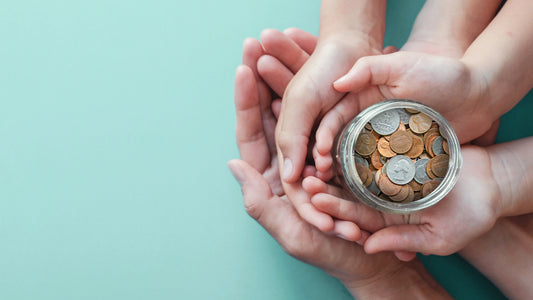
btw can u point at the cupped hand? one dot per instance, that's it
(265, 200)
(467, 212)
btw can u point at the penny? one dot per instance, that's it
(431, 132)
(400, 142)
(429, 170)
(439, 166)
(377, 175)
(368, 126)
(410, 197)
(424, 155)
(412, 110)
(429, 187)
(429, 145)
(404, 115)
(387, 187)
(384, 148)
(415, 185)
(402, 194)
(418, 196)
(386, 122)
(437, 146)
(358, 159)
(417, 148)
(421, 175)
(400, 169)
(445, 147)
(375, 134)
(401, 127)
(420, 122)
(375, 159)
(364, 173)
(365, 144)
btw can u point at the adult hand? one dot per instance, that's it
(364, 276)
(468, 211)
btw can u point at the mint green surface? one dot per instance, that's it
(116, 122)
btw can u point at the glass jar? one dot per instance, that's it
(345, 168)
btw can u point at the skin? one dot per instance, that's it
(365, 276)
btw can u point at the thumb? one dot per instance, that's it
(374, 70)
(255, 189)
(410, 238)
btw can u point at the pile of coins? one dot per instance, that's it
(401, 155)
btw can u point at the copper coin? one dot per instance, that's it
(365, 144)
(368, 126)
(410, 197)
(429, 144)
(412, 110)
(439, 166)
(429, 187)
(377, 175)
(375, 134)
(375, 159)
(363, 172)
(415, 185)
(420, 122)
(358, 159)
(387, 187)
(401, 127)
(431, 132)
(401, 142)
(384, 148)
(429, 170)
(417, 148)
(445, 147)
(418, 196)
(402, 194)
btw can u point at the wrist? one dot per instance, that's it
(404, 280)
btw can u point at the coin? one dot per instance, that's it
(404, 115)
(386, 122)
(420, 122)
(384, 148)
(400, 169)
(358, 159)
(364, 173)
(415, 185)
(402, 194)
(373, 187)
(429, 187)
(365, 144)
(421, 175)
(437, 146)
(417, 148)
(429, 145)
(410, 197)
(412, 110)
(375, 159)
(445, 147)
(429, 170)
(400, 142)
(439, 165)
(387, 187)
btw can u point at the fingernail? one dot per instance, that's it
(237, 173)
(287, 168)
(343, 237)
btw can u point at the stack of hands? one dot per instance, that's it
(466, 60)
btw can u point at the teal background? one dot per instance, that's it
(116, 123)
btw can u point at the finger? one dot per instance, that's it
(322, 162)
(325, 176)
(390, 49)
(251, 140)
(308, 171)
(313, 185)
(489, 137)
(306, 210)
(283, 48)
(365, 217)
(251, 52)
(412, 238)
(276, 107)
(333, 121)
(304, 39)
(373, 70)
(405, 255)
(347, 230)
(364, 236)
(275, 74)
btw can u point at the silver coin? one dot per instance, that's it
(386, 122)
(437, 146)
(421, 176)
(373, 187)
(400, 169)
(358, 159)
(404, 115)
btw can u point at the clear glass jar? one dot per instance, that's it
(345, 168)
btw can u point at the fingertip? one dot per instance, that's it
(406, 256)
(347, 230)
(276, 107)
